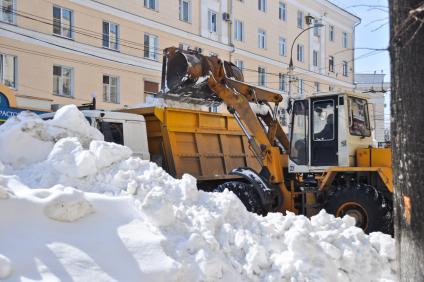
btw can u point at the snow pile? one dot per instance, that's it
(26, 138)
(85, 210)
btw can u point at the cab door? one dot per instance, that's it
(324, 141)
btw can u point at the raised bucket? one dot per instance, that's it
(185, 76)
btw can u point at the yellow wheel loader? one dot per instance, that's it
(328, 162)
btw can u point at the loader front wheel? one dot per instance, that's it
(371, 211)
(246, 193)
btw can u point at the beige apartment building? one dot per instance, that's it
(67, 51)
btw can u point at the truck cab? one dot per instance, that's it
(327, 130)
(117, 127)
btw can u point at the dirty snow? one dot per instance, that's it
(73, 207)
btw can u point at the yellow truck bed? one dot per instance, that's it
(203, 144)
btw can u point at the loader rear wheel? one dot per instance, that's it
(370, 209)
(246, 193)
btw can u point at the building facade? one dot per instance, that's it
(67, 51)
(379, 99)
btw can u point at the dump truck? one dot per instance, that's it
(328, 162)
(206, 145)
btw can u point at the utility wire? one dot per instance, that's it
(51, 56)
(80, 51)
(84, 31)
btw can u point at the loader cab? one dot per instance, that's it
(326, 131)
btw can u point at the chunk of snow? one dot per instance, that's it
(5, 267)
(4, 193)
(67, 205)
(108, 153)
(26, 139)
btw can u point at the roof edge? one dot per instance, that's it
(329, 3)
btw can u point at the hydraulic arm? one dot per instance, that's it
(190, 76)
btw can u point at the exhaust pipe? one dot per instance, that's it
(185, 76)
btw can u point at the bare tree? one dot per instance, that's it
(407, 128)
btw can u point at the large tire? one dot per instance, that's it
(246, 193)
(371, 210)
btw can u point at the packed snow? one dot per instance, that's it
(76, 208)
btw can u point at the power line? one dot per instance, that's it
(51, 56)
(86, 32)
(95, 35)
(121, 42)
(299, 75)
(80, 51)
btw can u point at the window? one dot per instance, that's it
(331, 64)
(151, 88)
(111, 89)
(316, 28)
(358, 117)
(111, 35)
(331, 32)
(261, 39)
(261, 76)
(239, 64)
(282, 82)
(330, 88)
(213, 109)
(150, 4)
(323, 120)
(212, 22)
(238, 30)
(315, 58)
(299, 19)
(63, 81)
(299, 145)
(7, 13)
(262, 5)
(345, 39)
(282, 46)
(345, 68)
(301, 86)
(112, 131)
(282, 11)
(8, 67)
(62, 22)
(184, 46)
(300, 52)
(317, 86)
(185, 10)
(150, 46)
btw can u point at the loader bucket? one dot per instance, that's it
(185, 76)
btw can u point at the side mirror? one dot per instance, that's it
(289, 106)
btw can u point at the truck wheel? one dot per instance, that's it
(371, 210)
(246, 193)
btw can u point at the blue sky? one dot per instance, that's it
(373, 32)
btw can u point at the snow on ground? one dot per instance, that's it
(76, 208)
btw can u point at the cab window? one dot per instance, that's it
(299, 146)
(359, 124)
(112, 131)
(323, 120)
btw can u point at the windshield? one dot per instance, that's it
(299, 146)
(359, 124)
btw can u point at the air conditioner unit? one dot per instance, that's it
(226, 17)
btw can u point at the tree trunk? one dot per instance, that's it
(407, 128)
